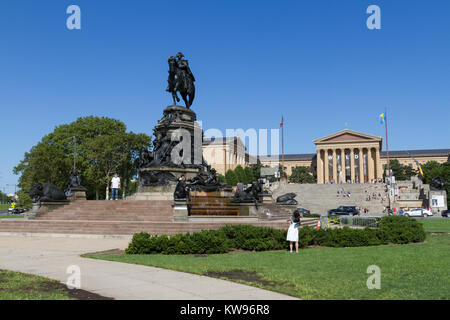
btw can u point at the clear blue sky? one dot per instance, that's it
(315, 62)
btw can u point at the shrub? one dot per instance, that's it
(311, 215)
(393, 229)
(402, 230)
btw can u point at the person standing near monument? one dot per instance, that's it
(115, 186)
(292, 234)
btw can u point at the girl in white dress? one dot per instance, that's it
(292, 234)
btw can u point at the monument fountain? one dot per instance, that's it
(175, 168)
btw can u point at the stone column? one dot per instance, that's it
(370, 166)
(334, 166)
(319, 167)
(343, 165)
(378, 164)
(326, 164)
(352, 165)
(361, 165)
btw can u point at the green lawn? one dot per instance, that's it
(11, 217)
(415, 271)
(436, 225)
(22, 286)
(4, 206)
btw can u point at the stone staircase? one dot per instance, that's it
(123, 217)
(319, 198)
(121, 210)
(116, 227)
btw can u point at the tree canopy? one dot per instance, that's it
(301, 175)
(400, 171)
(103, 147)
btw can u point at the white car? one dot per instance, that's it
(418, 212)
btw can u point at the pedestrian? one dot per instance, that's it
(240, 186)
(115, 186)
(292, 234)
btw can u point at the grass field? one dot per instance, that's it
(414, 271)
(22, 286)
(436, 225)
(4, 206)
(11, 217)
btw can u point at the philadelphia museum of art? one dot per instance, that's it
(342, 157)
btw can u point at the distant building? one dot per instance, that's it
(358, 153)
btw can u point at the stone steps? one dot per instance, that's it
(319, 198)
(117, 227)
(121, 210)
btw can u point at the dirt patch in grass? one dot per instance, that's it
(242, 275)
(50, 286)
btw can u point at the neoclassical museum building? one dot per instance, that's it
(345, 156)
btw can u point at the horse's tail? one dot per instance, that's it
(191, 96)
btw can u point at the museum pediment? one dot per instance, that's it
(347, 136)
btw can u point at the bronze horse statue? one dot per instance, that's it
(181, 80)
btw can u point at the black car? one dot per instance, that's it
(445, 213)
(303, 210)
(344, 210)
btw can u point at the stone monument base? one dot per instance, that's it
(78, 193)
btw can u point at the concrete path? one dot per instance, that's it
(50, 256)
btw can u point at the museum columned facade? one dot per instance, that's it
(346, 156)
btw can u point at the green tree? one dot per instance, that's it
(430, 170)
(256, 169)
(400, 171)
(221, 178)
(240, 174)
(230, 178)
(301, 175)
(249, 177)
(103, 146)
(433, 169)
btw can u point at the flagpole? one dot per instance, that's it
(387, 157)
(387, 148)
(282, 148)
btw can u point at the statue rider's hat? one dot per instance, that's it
(180, 55)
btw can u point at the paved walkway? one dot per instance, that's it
(50, 256)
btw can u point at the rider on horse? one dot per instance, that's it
(181, 79)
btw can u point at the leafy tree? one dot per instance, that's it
(430, 170)
(400, 171)
(221, 178)
(240, 174)
(301, 175)
(103, 147)
(230, 178)
(433, 169)
(256, 169)
(249, 174)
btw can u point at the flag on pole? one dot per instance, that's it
(382, 118)
(281, 123)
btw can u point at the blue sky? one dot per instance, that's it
(315, 62)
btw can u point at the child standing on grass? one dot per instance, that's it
(292, 234)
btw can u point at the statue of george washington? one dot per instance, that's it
(181, 80)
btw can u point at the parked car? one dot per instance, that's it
(344, 210)
(418, 212)
(15, 210)
(303, 211)
(445, 213)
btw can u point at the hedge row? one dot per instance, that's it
(397, 230)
